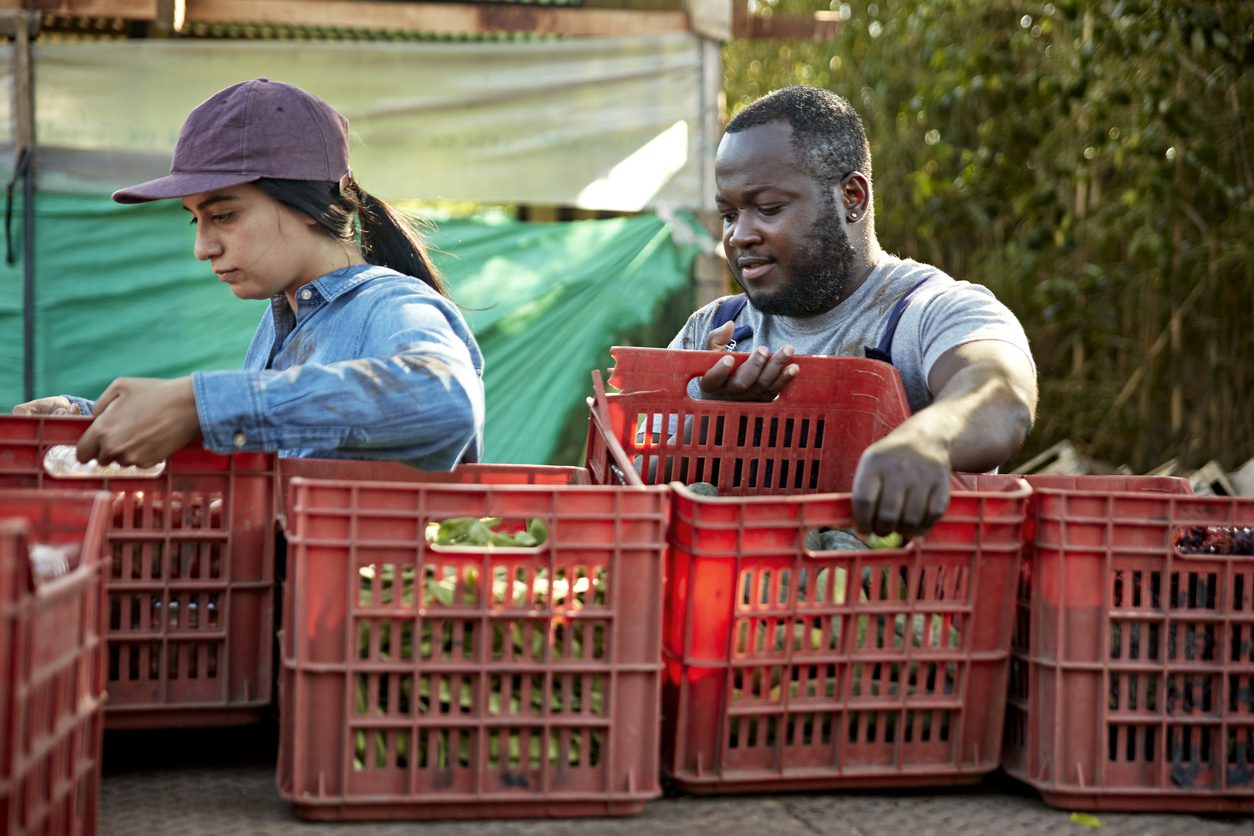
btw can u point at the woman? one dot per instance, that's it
(360, 355)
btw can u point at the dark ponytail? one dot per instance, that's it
(387, 238)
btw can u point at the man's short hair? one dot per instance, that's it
(826, 131)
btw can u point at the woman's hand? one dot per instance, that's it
(141, 421)
(55, 405)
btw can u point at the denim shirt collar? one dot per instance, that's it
(338, 282)
(311, 296)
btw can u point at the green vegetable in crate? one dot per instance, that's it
(832, 540)
(544, 631)
(825, 539)
(481, 531)
(893, 540)
(462, 531)
(703, 489)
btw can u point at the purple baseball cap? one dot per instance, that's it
(254, 129)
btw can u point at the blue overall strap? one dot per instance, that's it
(883, 351)
(728, 310)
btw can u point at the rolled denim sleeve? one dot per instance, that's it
(85, 406)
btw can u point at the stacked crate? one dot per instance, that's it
(1133, 684)
(52, 659)
(422, 680)
(190, 559)
(790, 665)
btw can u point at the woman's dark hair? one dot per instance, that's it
(387, 239)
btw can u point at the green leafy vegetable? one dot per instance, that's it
(482, 531)
(409, 629)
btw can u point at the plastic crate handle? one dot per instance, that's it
(1210, 512)
(61, 462)
(827, 510)
(668, 371)
(906, 548)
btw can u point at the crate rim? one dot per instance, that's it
(463, 487)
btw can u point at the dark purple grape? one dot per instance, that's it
(1220, 539)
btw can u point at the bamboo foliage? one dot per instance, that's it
(1089, 161)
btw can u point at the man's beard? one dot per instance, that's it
(818, 273)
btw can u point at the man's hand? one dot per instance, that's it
(55, 405)
(141, 421)
(985, 400)
(901, 484)
(720, 337)
(759, 378)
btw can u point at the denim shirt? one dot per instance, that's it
(374, 364)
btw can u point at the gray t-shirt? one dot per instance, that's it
(941, 316)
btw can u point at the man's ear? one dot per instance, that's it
(855, 196)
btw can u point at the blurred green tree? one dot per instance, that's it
(1089, 161)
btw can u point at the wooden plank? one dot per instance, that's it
(819, 27)
(713, 115)
(740, 19)
(448, 18)
(169, 20)
(717, 19)
(711, 18)
(24, 105)
(26, 162)
(124, 9)
(11, 20)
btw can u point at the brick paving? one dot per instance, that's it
(220, 782)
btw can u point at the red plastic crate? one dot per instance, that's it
(544, 704)
(190, 580)
(362, 470)
(808, 439)
(1133, 683)
(51, 662)
(789, 668)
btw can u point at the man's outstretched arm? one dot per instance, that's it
(985, 400)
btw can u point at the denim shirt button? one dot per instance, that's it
(306, 294)
(240, 440)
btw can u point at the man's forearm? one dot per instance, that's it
(981, 417)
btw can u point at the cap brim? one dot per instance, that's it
(180, 185)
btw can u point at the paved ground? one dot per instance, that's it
(221, 782)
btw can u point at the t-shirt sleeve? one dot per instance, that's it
(962, 314)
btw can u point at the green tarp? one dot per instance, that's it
(118, 293)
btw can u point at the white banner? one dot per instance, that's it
(592, 123)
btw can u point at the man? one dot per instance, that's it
(793, 173)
